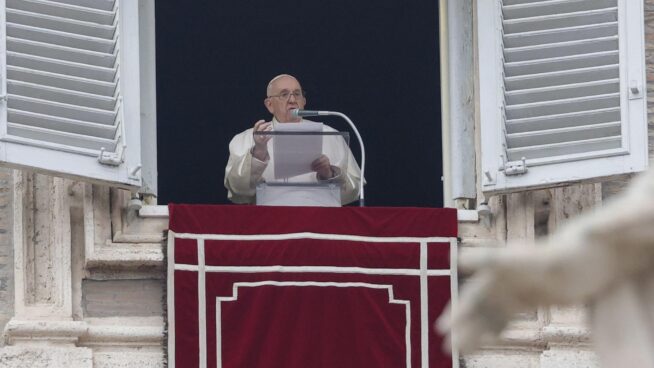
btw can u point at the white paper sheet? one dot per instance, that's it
(295, 153)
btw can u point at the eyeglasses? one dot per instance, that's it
(286, 95)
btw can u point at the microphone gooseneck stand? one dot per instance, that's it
(303, 113)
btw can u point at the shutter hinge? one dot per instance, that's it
(635, 90)
(110, 158)
(511, 168)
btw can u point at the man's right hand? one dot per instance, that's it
(260, 150)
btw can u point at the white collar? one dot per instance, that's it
(275, 122)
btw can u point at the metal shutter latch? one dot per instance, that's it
(512, 168)
(109, 158)
(635, 89)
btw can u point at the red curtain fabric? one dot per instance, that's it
(308, 287)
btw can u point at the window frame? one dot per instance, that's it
(632, 157)
(137, 171)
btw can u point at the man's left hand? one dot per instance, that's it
(322, 166)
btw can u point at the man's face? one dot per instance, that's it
(285, 95)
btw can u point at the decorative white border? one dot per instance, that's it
(389, 288)
(424, 306)
(318, 236)
(170, 292)
(454, 292)
(313, 269)
(423, 272)
(202, 306)
(161, 211)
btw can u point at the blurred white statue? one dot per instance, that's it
(605, 259)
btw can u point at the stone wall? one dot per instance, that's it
(547, 337)
(123, 298)
(88, 276)
(6, 250)
(649, 61)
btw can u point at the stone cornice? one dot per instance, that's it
(83, 333)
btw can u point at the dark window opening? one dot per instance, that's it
(375, 61)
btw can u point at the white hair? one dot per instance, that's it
(272, 81)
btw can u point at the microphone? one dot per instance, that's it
(302, 113)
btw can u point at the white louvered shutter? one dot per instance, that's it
(562, 91)
(71, 81)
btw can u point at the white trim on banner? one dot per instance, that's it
(389, 288)
(424, 306)
(314, 269)
(423, 272)
(318, 236)
(454, 291)
(202, 305)
(171, 298)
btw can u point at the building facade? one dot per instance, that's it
(82, 266)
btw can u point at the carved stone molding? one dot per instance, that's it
(42, 251)
(63, 332)
(117, 237)
(102, 333)
(124, 332)
(42, 332)
(567, 335)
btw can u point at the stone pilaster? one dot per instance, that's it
(42, 332)
(6, 249)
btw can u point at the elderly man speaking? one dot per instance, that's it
(250, 162)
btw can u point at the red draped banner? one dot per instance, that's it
(300, 287)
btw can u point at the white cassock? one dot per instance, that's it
(243, 172)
